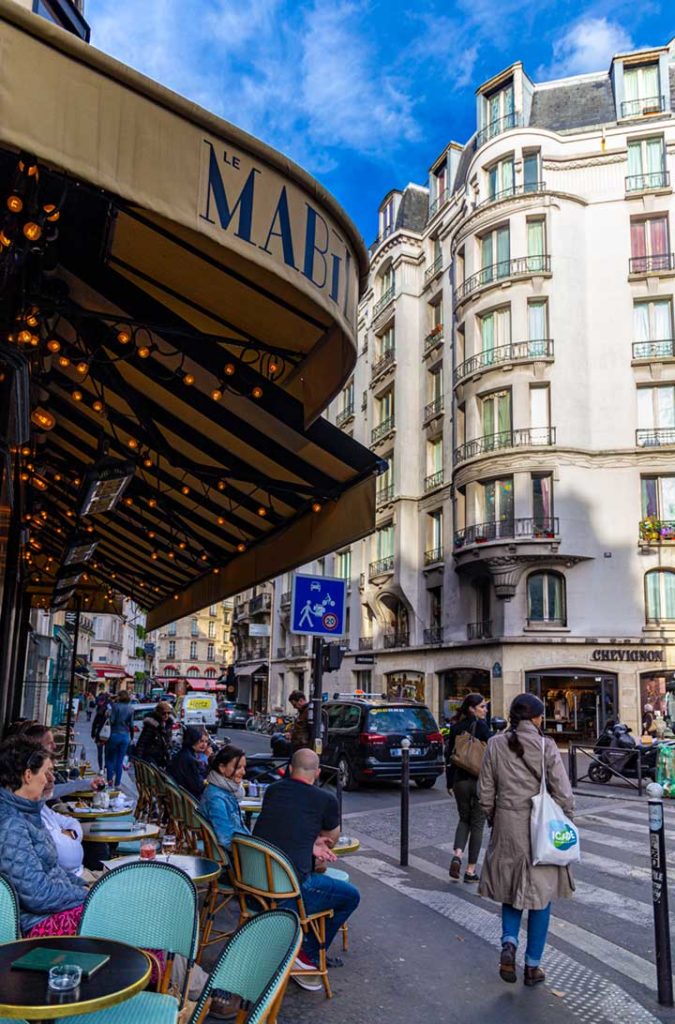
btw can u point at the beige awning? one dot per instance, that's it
(203, 290)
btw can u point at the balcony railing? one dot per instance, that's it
(281, 652)
(530, 528)
(647, 105)
(345, 415)
(433, 338)
(240, 610)
(298, 650)
(655, 438)
(365, 643)
(657, 531)
(479, 630)
(286, 598)
(651, 264)
(384, 494)
(389, 230)
(504, 270)
(251, 652)
(517, 352)
(499, 125)
(653, 349)
(440, 200)
(646, 182)
(433, 480)
(395, 638)
(433, 635)
(384, 300)
(434, 269)
(528, 188)
(381, 430)
(260, 603)
(433, 555)
(381, 566)
(388, 358)
(529, 437)
(432, 409)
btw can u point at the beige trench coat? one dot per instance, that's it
(505, 789)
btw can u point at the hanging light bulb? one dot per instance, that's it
(32, 320)
(14, 203)
(98, 406)
(216, 394)
(230, 369)
(262, 511)
(171, 555)
(151, 534)
(221, 485)
(273, 367)
(54, 345)
(42, 418)
(52, 213)
(77, 395)
(241, 547)
(128, 501)
(144, 351)
(152, 502)
(220, 521)
(182, 545)
(64, 362)
(154, 556)
(147, 462)
(124, 336)
(32, 231)
(132, 442)
(316, 506)
(185, 489)
(257, 392)
(82, 368)
(24, 337)
(188, 379)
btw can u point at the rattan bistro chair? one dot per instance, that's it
(255, 965)
(221, 890)
(10, 930)
(262, 871)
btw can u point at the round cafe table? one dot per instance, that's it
(96, 813)
(199, 869)
(248, 807)
(24, 995)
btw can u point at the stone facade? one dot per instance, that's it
(196, 647)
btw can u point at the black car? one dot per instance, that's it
(363, 740)
(234, 715)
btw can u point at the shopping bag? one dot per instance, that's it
(468, 753)
(105, 732)
(554, 838)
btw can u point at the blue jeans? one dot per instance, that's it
(115, 750)
(320, 892)
(537, 930)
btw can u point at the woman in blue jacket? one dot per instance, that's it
(220, 802)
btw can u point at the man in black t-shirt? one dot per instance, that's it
(302, 820)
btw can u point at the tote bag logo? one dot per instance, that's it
(562, 835)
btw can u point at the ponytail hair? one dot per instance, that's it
(472, 700)
(523, 708)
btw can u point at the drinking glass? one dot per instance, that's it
(168, 844)
(148, 850)
(64, 977)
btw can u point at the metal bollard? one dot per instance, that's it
(572, 758)
(657, 850)
(405, 801)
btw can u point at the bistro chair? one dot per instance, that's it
(145, 1008)
(255, 965)
(261, 871)
(148, 904)
(221, 890)
(10, 929)
(145, 803)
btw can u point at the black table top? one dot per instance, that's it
(25, 994)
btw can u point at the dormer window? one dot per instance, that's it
(439, 189)
(642, 93)
(388, 218)
(498, 113)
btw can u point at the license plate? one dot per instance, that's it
(414, 752)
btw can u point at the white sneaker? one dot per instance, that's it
(305, 980)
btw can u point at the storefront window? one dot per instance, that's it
(577, 705)
(458, 683)
(657, 701)
(405, 686)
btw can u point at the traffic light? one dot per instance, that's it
(332, 657)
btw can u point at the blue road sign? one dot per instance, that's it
(318, 605)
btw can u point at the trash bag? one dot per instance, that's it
(665, 769)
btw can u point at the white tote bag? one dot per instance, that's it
(555, 839)
(105, 732)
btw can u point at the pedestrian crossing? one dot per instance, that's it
(603, 937)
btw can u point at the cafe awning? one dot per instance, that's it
(251, 670)
(185, 300)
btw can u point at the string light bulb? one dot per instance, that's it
(14, 203)
(124, 337)
(42, 418)
(257, 392)
(24, 337)
(241, 547)
(32, 231)
(262, 511)
(188, 379)
(54, 345)
(97, 406)
(52, 213)
(147, 462)
(82, 368)
(144, 352)
(132, 442)
(152, 502)
(185, 489)
(273, 367)
(221, 485)
(316, 506)
(32, 320)
(151, 534)
(64, 362)
(77, 395)
(220, 521)
(128, 501)
(216, 394)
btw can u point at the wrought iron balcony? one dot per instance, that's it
(384, 300)
(647, 182)
(433, 635)
(281, 652)
(433, 480)
(433, 555)
(434, 269)
(504, 270)
(260, 603)
(381, 567)
(664, 349)
(389, 230)
(383, 495)
(526, 189)
(641, 107)
(479, 630)
(657, 531)
(240, 610)
(655, 438)
(433, 409)
(381, 430)
(387, 359)
(651, 264)
(395, 638)
(299, 650)
(345, 415)
(260, 649)
(365, 643)
(517, 352)
(529, 528)
(440, 201)
(286, 598)
(498, 126)
(529, 437)
(433, 338)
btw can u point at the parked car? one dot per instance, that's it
(197, 709)
(363, 740)
(234, 714)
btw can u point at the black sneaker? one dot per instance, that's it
(455, 868)
(471, 876)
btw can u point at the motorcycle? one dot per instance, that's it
(617, 752)
(264, 768)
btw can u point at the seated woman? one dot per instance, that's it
(50, 898)
(185, 768)
(220, 803)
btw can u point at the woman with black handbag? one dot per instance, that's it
(469, 733)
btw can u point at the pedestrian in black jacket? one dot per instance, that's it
(100, 715)
(185, 768)
(464, 785)
(154, 743)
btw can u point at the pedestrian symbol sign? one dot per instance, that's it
(318, 605)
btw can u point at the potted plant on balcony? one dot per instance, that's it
(650, 530)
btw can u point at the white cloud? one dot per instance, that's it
(588, 45)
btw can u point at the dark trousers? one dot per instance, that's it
(471, 818)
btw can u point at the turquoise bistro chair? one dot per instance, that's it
(10, 929)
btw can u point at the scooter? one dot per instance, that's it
(264, 768)
(617, 752)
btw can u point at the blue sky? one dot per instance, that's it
(363, 93)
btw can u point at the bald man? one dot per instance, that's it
(303, 821)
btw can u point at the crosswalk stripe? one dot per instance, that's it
(636, 829)
(615, 868)
(617, 843)
(616, 904)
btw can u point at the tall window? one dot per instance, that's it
(649, 244)
(435, 459)
(495, 254)
(212, 630)
(210, 673)
(384, 542)
(497, 510)
(384, 485)
(348, 398)
(170, 671)
(496, 416)
(646, 164)
(536, 244)
(193, 649)
(388, 218)
(537, 327)
(385, 407)
(437, 315)
(171, 629)
(653, 328)
(656, 415)
(532, 172)
(542, 500)
(495, 331)
(213, 609)
(660, 595)
(435, 607)
(171, 649)
(540, 414)
(498, 112)
(343, 565)
(500, 179)
(546, 598)
(441, 185)
(194, 628)
(641, 89)
(435, 384)
(434, 538)
(386, 342)
(211, 652)
(387, 280)
(193, 673)
(658, 498)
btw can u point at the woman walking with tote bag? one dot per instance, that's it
(470, 722)
(509, 778)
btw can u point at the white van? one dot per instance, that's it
(198, 709)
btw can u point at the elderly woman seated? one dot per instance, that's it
(50, 897)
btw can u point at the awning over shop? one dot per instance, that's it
(251, 670)
(185, 300)
(205, 685)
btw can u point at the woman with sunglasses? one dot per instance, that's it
(464, 785)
